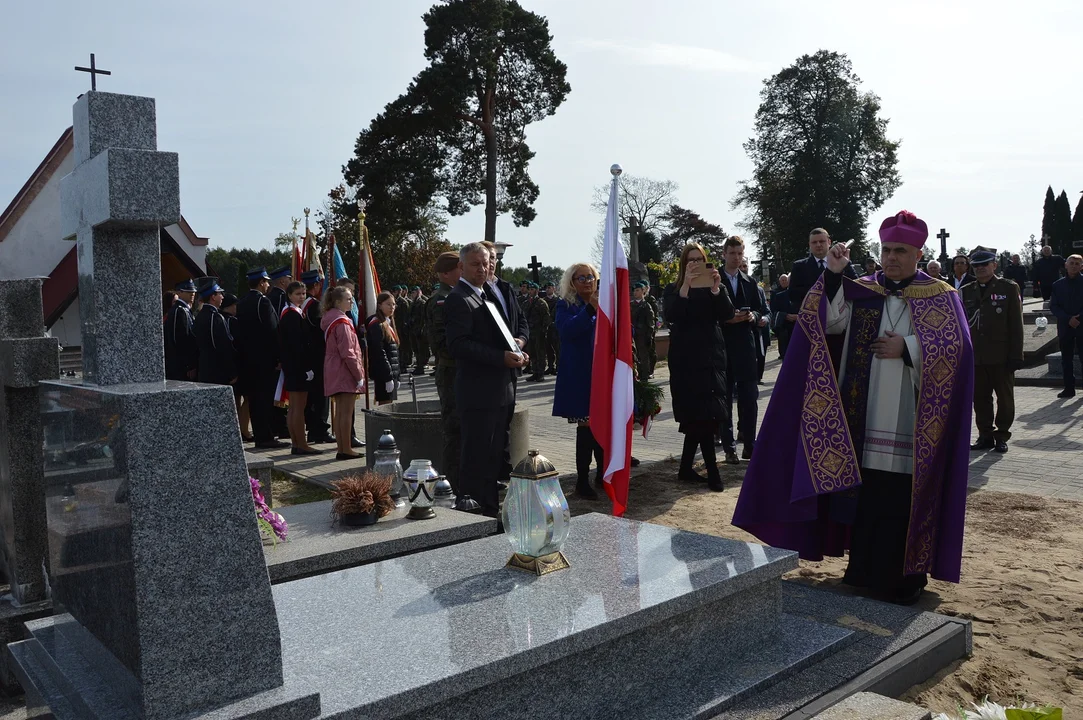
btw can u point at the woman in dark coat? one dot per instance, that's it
(576, 313)
(297, 369)
(697, 360)
(383, 344)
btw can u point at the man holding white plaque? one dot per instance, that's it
(487, 359)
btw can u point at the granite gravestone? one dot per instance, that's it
(162, 612)
(26, 357)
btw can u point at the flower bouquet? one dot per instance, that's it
(647, 399)
(271, 524)
(989, 710)
(361, 499)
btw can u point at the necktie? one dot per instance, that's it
(821, 265)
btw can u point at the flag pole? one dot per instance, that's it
(304, 255)
(361, 250)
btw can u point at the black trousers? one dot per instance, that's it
(747, 394)
(259, 390)
(878, 538)
(482, 455)
(316, 410)
(1071, 342)
(449, 417)
(1046, 288)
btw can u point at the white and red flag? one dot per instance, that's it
(611, 376)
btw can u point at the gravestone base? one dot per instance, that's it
(1055, 370)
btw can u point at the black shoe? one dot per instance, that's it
(903, 597)
(585, 491)
(731, 458)
(321, 439)
(271, 445)
(740, 436)
(1001, 446)
(305, 451)
(348, 456)
(551, 371)
(635, 461)
(355, 443)
(247, 438)
(746, 453)
(983, 444)
(690, 475)
(1066, 394)
(715, 483)
(535, 378)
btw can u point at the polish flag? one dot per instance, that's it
(367, 277)
(611, 376)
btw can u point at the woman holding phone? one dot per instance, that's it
(696, 308)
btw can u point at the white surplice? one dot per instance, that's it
(893, 387)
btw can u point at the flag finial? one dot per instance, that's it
(615, 169)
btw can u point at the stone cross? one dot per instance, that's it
(113, 202)
(943, 236)
(633, 239)
(534, 267)
(26, 358)
(94, 72)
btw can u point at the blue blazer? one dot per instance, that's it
(575, 324)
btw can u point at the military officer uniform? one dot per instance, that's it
(445, 370)
(552, 338)
(995, 313)
(642, 334)
(420, 335)
(402, 326)
(277, 295)
(217, 358)
(537, 317)
(259, 358)
(181, 350)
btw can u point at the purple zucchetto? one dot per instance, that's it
(904, 227)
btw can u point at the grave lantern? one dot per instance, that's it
(536, 516)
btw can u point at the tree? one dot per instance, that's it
(1077, 223)
(1049, 216)
(642, 200)
(821, 157)
(684, 226)
(232, 265)
(962, 251)
(459, 130)
(1062, 234)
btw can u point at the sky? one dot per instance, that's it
(263, 102)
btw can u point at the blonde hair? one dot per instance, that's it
(567, 283)
(329, 299)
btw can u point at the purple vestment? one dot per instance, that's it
(799, 491)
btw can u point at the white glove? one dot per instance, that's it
(309, 375)
(397, 384)
(360, 386)
(389, 386)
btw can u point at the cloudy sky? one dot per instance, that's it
(263, 101)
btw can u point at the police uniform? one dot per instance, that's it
(445, 370)
(418, 332)
(217, 357)
(552, 337)
(995, 313)
(402, 327)
(642, 334)
(259, 357)
(277, 295)
(537, 317)
(181, 350)
(316, 408)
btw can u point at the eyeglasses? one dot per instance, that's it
(696, 259)
(584, 278)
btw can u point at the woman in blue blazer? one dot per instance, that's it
(576, 312)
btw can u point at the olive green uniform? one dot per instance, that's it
(995, 313)
(445, 382)
(419, 333)
(402, 326)
(643, 336)
(653, 302)
(537, 317)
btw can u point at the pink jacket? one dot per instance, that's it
(342, 366)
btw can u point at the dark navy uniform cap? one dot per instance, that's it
(981, 255)
(228, 300)
(281, 273)
(258, 273)
(210, 288)
(185, 286)
(311, 277)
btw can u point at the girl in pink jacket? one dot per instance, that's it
(343, 370)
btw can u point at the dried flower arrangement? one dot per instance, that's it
(360, 495)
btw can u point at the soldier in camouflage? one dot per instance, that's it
(418, 330)
(537, 317)
(642, 329)
(552, 343)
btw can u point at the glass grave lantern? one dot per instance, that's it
(536, 516)
(388, 467)
(420, 479)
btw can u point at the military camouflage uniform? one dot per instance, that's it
(419, 333)
(537, 317)
(552, 339)
(653, 302)
(402, 326)
(643, 336)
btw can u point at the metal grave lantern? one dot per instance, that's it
(536, 516)
(420, 479)
(388, 467)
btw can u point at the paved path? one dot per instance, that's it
(1044, 457)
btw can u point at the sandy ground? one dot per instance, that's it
(1022, 586)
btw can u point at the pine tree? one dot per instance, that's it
(1077, 223)
(1049, 216)
(1062, 237)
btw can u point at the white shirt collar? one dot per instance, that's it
(474, 287)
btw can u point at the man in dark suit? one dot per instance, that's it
(741, 334)
(217, 358)
(259, 356)
(805, 272)
(181, 350)
(1017, 273)
(317, 407)
(1047, 270)
(780, 309)
(485, 371)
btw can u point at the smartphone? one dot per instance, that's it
(709, 266)
(745, 310)
(704, 279)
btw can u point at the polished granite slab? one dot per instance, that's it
(316, 545)
(397, 636)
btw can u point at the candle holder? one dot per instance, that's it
(421, 478)
(536, 516)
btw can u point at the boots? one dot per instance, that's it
(688, 457)
(584, 448)
(714, 480)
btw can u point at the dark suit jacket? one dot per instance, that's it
(803, 275)
(475, 341)
(217, 358)
(258, 326)
(181, 349)
(742, 339)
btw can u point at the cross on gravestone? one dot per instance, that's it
(534, 267)
(943, 236)
(633, 239)
(94, 72)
